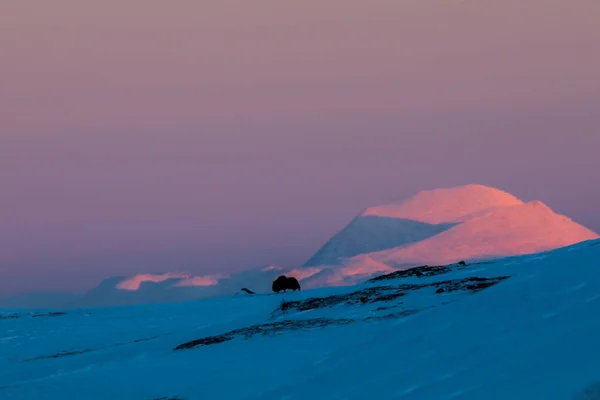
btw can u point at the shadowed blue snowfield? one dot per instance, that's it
(533, 335)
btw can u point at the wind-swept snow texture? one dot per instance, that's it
(515, 328)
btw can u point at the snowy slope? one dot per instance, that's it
(516, 328)
(444, 205)
(522, 229)
(367, 234)
(472, 222)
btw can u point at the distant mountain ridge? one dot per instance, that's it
(440, 226)
(453, 224)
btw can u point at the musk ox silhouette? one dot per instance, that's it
(292, 283)
(285, 283)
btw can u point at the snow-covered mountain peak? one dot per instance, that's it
(434, 227)
(448, 225)
(446, 205)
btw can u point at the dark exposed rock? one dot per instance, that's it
(247, 291)
(423, 271)
(61, 354)
(484, 263)
(138, 340)
(420, 272)
(472, 285)
(145, 339)
(274, 327)
(67, 353)
(264, 329)
(51, 314)
(33, 315)
(387, 293)
(205, 341)
(367, 295)
(399, 314)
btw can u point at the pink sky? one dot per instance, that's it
(147, 136)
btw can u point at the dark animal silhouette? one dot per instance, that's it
(247, 291)
(284, 283)
(279, 284)
(292, 283)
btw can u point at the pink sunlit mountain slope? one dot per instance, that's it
(443, 226)
(521, 229)
(440, 206)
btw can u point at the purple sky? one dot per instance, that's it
(145, 136)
